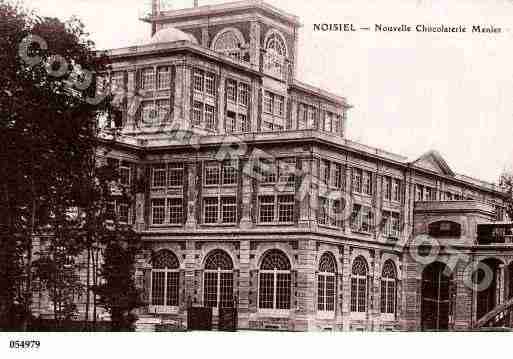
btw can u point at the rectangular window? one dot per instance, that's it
(230, 173)
(287, 169)
(367, 183)
(244, 94)
(164, 77)
(163, 110)
(268, 102)
(124, 174)
(286, 209)
(199, 81)
(175, 175)
(266, 209)
(396, 190)
(336, 177)
(267, 168)
(229, 210)
(212, 174)
(148, 113)
(391, 224)
(118, 81)
(231, 122)
(302, 115)
(325, 172)
(280, 106)
(175, 207)
(362, 219)
(231, 90)
(210, 84)
(210, 210)
(148, 79)
(419, 193)
(328, 122)
(159, 176)
(124, 213)
(357, 180)
(197, 113)
(323, 212)
(387, 188)
(243, 125)
(210, 119)
(158, 211)
(312, 117)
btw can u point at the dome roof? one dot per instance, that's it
(171, 34)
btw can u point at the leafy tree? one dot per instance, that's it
(48, 135)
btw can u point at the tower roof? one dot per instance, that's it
(171, 34)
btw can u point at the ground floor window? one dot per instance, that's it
(218, 280)
(165, 280)
(388, 288)
(275, 281)
(359, 286)
(326, 284)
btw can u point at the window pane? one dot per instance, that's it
(157, 288)
(210, 290)
(164, 77)
(229, 208)
(175, 210)
(267, 209)
(266, 292)
(286, 209)
(158, 211)
(283, 291)
(175, 175)
(321, 293)
(211, 210)
(230, 173)
(212, 174)
(226, 290)
(172, 289)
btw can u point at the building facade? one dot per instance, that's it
(248, 194)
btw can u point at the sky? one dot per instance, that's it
(410, 92)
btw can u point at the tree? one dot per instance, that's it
(48, 131)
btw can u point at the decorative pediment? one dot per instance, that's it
(433, 161)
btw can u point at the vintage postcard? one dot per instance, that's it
(285, 166)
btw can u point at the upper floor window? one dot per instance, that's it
(359, 286)
(331, 122)
(357, 180)
(276, 53)
(221, 210)
(276, 209)
(275, 281)
(167, 175)
(125, 173)
(388, 288)
(230, 43)
(204, 115)
(391, 224)
(325, 173)
(217, 173)
(204, 82)
(237, 113)
(330, 212)
(164, 77)
(387, 188)
(274, 104)
(396, 190)
(326, 283)
(271, 171)
(167, 211)
(367, 183)
(307, 117)
(118, 81)
(148, 79)
(362, 219)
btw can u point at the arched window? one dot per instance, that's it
(388, 288)
(326, 283)
(275, 281)
(359, 286)
(165, 279)
(229, 43)
(276, 53)
(218, 281)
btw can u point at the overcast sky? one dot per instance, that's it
(411, 92)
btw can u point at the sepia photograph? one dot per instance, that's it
(255, 166)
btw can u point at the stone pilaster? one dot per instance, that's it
(254, 44)
(190, 266)
(463, 302)
(375, 295)
(346, 287)
(182, 104)
(410, 320)
(220, 124)
(305, 314)
(244, 284)
(205, 37)
(193, 200)
(247, 199)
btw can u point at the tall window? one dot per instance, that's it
(362, 219)
(237, 113)
(163, 78)
(387, 188)
(148, 79)
(396, 190)
(275, 281)
(367, 183)
(167, 175)
(274, 104)
(388, 288)
(330, 212)
(204, 104)
(357, 180)
(326, 283)
(218, 280)
(359, 286)
(276, 52)
(336, 176)
(419, 192)
(391, 224)
(217, 173)
(165, 279)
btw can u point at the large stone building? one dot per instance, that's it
(248, 194)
